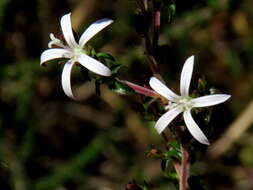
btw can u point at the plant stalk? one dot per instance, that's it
(156, 22)
(185, 167)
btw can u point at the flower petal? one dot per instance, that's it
(54, 53)
(210, 100)
(67, 30)
(94, 65)
(66, 79)
(186, 76)
(194, 128)
(166, 118)
(163, 90)
(93, 29)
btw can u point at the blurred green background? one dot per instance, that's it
(50, 142)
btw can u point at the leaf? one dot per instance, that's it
(90, 51)
(115, 68)
(105, 56)
(174, 151)
(120, 88)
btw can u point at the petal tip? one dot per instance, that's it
(42, 64)
(203, 140)
(152, 79)
(109, 20)
(228, 96)
(190, 59)
(159, 129)
(206, 142)
(108, 73)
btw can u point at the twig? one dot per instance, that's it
(151, 59)
(156, 23)
(151, 46)
(185, 166)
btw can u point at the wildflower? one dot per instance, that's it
(74, 52)
(184, 103)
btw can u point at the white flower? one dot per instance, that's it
(74, 51)
(184, 103)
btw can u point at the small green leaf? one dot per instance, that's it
(171, 175)
(115, 68)
(105, 56)
(172, 9)
(174, 152)
(120, 88)
(90, 51)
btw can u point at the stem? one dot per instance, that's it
(151, 59)
(151, 46)
(156, 22)
(185, 166)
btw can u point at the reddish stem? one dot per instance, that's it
(156, 22)
(185, 167)
(141, 90)
(151, 59)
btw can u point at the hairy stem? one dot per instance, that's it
(156, 22)
(151, 59)
(150, 46)
(185, 166)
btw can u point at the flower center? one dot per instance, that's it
(184, 102)
(77, 51)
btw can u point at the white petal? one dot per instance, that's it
(166, 118)
(163, 90)
(54, 53)
(210, 100)
(66, 79)
(94, 65)
(186, 76)
(67, 30)
(93, 29)
(194, 128)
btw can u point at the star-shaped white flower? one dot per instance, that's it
(184, 103)
(74, 51)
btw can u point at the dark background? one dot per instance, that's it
(50, 142)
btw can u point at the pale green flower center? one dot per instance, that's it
(184, 102)
(77, 51)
